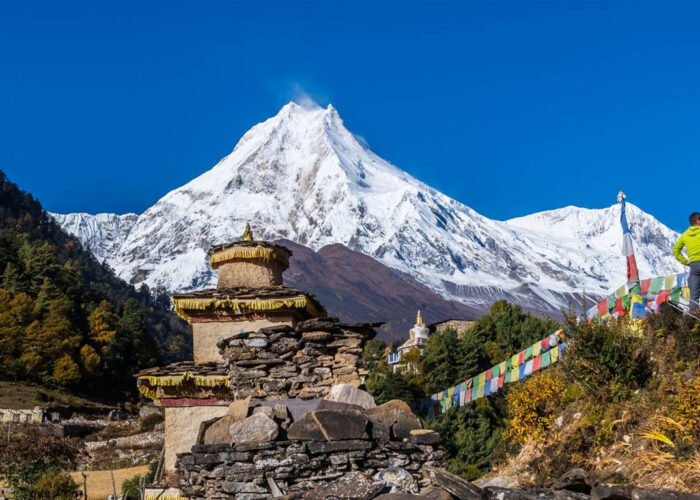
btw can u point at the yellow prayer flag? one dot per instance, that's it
(554, 356)
(536, 349)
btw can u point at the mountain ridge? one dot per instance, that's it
(301, 175)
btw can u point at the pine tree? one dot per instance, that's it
(103, 325)
(66, 371)
(90, 359)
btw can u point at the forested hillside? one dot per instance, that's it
(65, 319)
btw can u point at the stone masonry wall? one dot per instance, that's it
(205, 335)
(218, 471)
(282, 362)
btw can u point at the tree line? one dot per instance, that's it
(65, 319)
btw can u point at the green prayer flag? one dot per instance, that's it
(626, 300)
(528, 353)
(657, 284)
(546, 357)
(495, 371)
(611, 301)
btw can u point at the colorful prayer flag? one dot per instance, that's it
(537, 363)
(546, 357)
(627, 246)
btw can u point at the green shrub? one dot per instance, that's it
(55, 485)
(609, 359)
(131, 487)
(24, 461)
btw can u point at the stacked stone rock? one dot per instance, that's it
(303, 362)
(267, 453)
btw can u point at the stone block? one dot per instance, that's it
(338, 446)
(611, 492)
(345, 393)
(353, 486)
(305, 429)
(258, 428)
(219, 431)
(644, 494)
(238, 410)
(338, 425)
(398, 479)
(574, 480)
(424, 436)
(461, 489)
(405, 424)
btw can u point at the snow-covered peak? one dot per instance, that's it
(303, 176)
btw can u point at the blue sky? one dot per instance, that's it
(510, 108)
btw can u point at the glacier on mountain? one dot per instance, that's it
(301, 175)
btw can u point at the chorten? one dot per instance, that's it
(249, 296)
(418, 337)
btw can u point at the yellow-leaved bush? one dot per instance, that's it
(532, 406)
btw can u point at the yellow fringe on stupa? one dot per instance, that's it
(159, 494)
(147, 384)
(247, 253)
(252, 305)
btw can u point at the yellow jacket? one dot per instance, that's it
(691, 241)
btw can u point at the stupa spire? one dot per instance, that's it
(247, 233)
(419, 319)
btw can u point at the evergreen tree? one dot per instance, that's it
(66, 372)
(443, 361)
(103, 325)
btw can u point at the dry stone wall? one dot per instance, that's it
(216, 471)
(282, 362)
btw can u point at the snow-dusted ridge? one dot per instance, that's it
(303, 176)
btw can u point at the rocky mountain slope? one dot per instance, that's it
(302, 176)
(356, 287)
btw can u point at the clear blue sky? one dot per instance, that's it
(510, 108)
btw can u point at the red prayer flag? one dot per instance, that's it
(537, 363)
(545, 343)
(619, 309)
(603, 307)
(489, 374)
(645, 286)
(501, 380)
(632, 272)
(663, 296)
(521, 358)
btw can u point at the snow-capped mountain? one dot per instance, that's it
(301, 175)
(103, 234)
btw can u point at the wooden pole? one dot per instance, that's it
(142, 488)
(114, 488)
(85, 497)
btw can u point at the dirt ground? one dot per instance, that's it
(18, 395)
(99, 482)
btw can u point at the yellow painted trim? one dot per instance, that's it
(169, 494)
(247, 253)
(147, 384)
(253, 305)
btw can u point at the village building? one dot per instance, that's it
(22, 416)
(418, 337)
(459, 325)
(250, 295)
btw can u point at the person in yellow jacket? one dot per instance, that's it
(690, 239)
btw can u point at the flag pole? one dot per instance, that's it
(633, 283)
